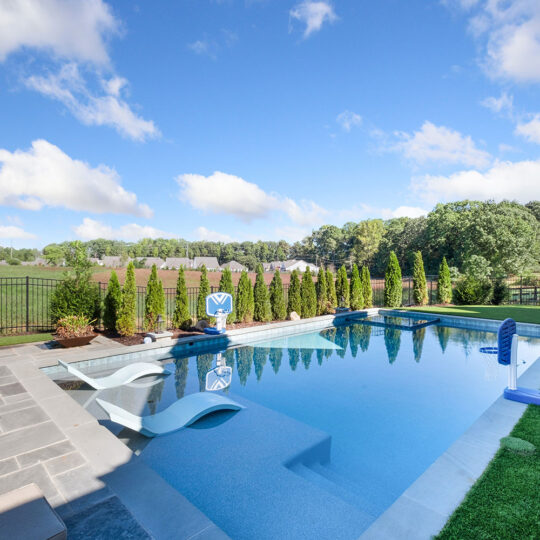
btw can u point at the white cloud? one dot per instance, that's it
(91, 229)
(202, 233)
(530, 130)
(504, 180)
(348, 119)
(441, 145)
(404, 211)
(11, 231)
(313, 15)
(75, 30)
(200, 46)
(69, 87)
(46, 176)
(500, 104)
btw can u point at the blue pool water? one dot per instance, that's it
(390, 402)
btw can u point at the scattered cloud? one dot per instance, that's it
(46, 176)
(200, 46)
(530, 130)
(504, 103)
(304, 213)
(441, 145)
(504, 180)
(404, 211)
(12, 232)
(202, 233)
(313, 15)
(91, 229)
(210, 46)
(348, 119)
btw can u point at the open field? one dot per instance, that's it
(45, 272)
(526, 314)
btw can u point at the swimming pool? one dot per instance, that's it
(337, 424)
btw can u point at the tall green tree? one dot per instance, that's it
(277, 299)
(112, 302)
(154, 304)
(420, 293)
(181, 317)
(309, 295)
(342, 287)
(331, 289)
(356, 291)
(444, 283)
(125, 324)
(393, 287)
(322, 300)
(368, 235)
(204, 291)
(226, 285)
(294, 302)
(244, 299)
(367, 290)
(262, 311)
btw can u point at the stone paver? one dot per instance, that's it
(22, 418)
(45, 453)
(8, 466)
(64, 463)
(24, 440)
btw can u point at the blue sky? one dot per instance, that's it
(259, 119)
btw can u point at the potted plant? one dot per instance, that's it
(74, 331)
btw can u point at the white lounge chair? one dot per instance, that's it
(124, 375)
(180, 414)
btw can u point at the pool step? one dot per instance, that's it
(337, 485)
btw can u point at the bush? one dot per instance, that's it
(262, 311)
(367, 290)
(277, 299)
(420, 294)
(393, 288)
(342, 287)
(74, 326)
(154, 304)
(501, 291)
(112, 302)
(357, 294)
(244, 299)
(444, 284)
(226, 285)
(309, 296)
(470, 290)
(125, 324)
(181, 317)
(204, 291)
(294, 302)
(331, 295)
(13, 262)
(321, 290)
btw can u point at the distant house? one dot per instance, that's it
(3, 263)
(95, 260)
(174, 263)
(301, 266)
(150, 261)
(211, 263)
(38, 261)
(113, 261)
(234, 266)
(267, 267)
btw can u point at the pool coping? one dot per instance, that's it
(425, 506)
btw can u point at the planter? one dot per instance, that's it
(75, 341)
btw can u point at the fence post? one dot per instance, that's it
(520, 290)
(27, 304)
(409, 291)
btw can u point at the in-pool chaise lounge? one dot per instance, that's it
(180, 414)
(124, 375)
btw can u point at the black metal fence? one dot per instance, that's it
(25, 301)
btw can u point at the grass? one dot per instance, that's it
(47, 272)
(23, 338)
(504, 502)
(526, 314)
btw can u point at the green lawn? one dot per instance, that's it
(505, 502)
(24, 338)
(526, 314)
(32, 271)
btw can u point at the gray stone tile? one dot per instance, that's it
(45, 453)
(4, 371)
(25, 370)
(18, 405)
(8, 379)
(31, 438)
(35, 474)
(8, 466)
(17, 397)
(64, 463)
(12, 389)
(66, 412)
(22, 418)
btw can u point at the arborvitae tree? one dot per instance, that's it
(322, 300)
(342, 287)
(357, 295)
(226, 285)
(154, 303)
(367, 291)
(112, 302)
(444, 284)
(125, 324)
(420, 293)
(393, 288)
(262, 311)
(204, 291)
(331, 289)
(294, 302)
(244, 299)
(181, 317)
(309, 295)
(277, 299)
